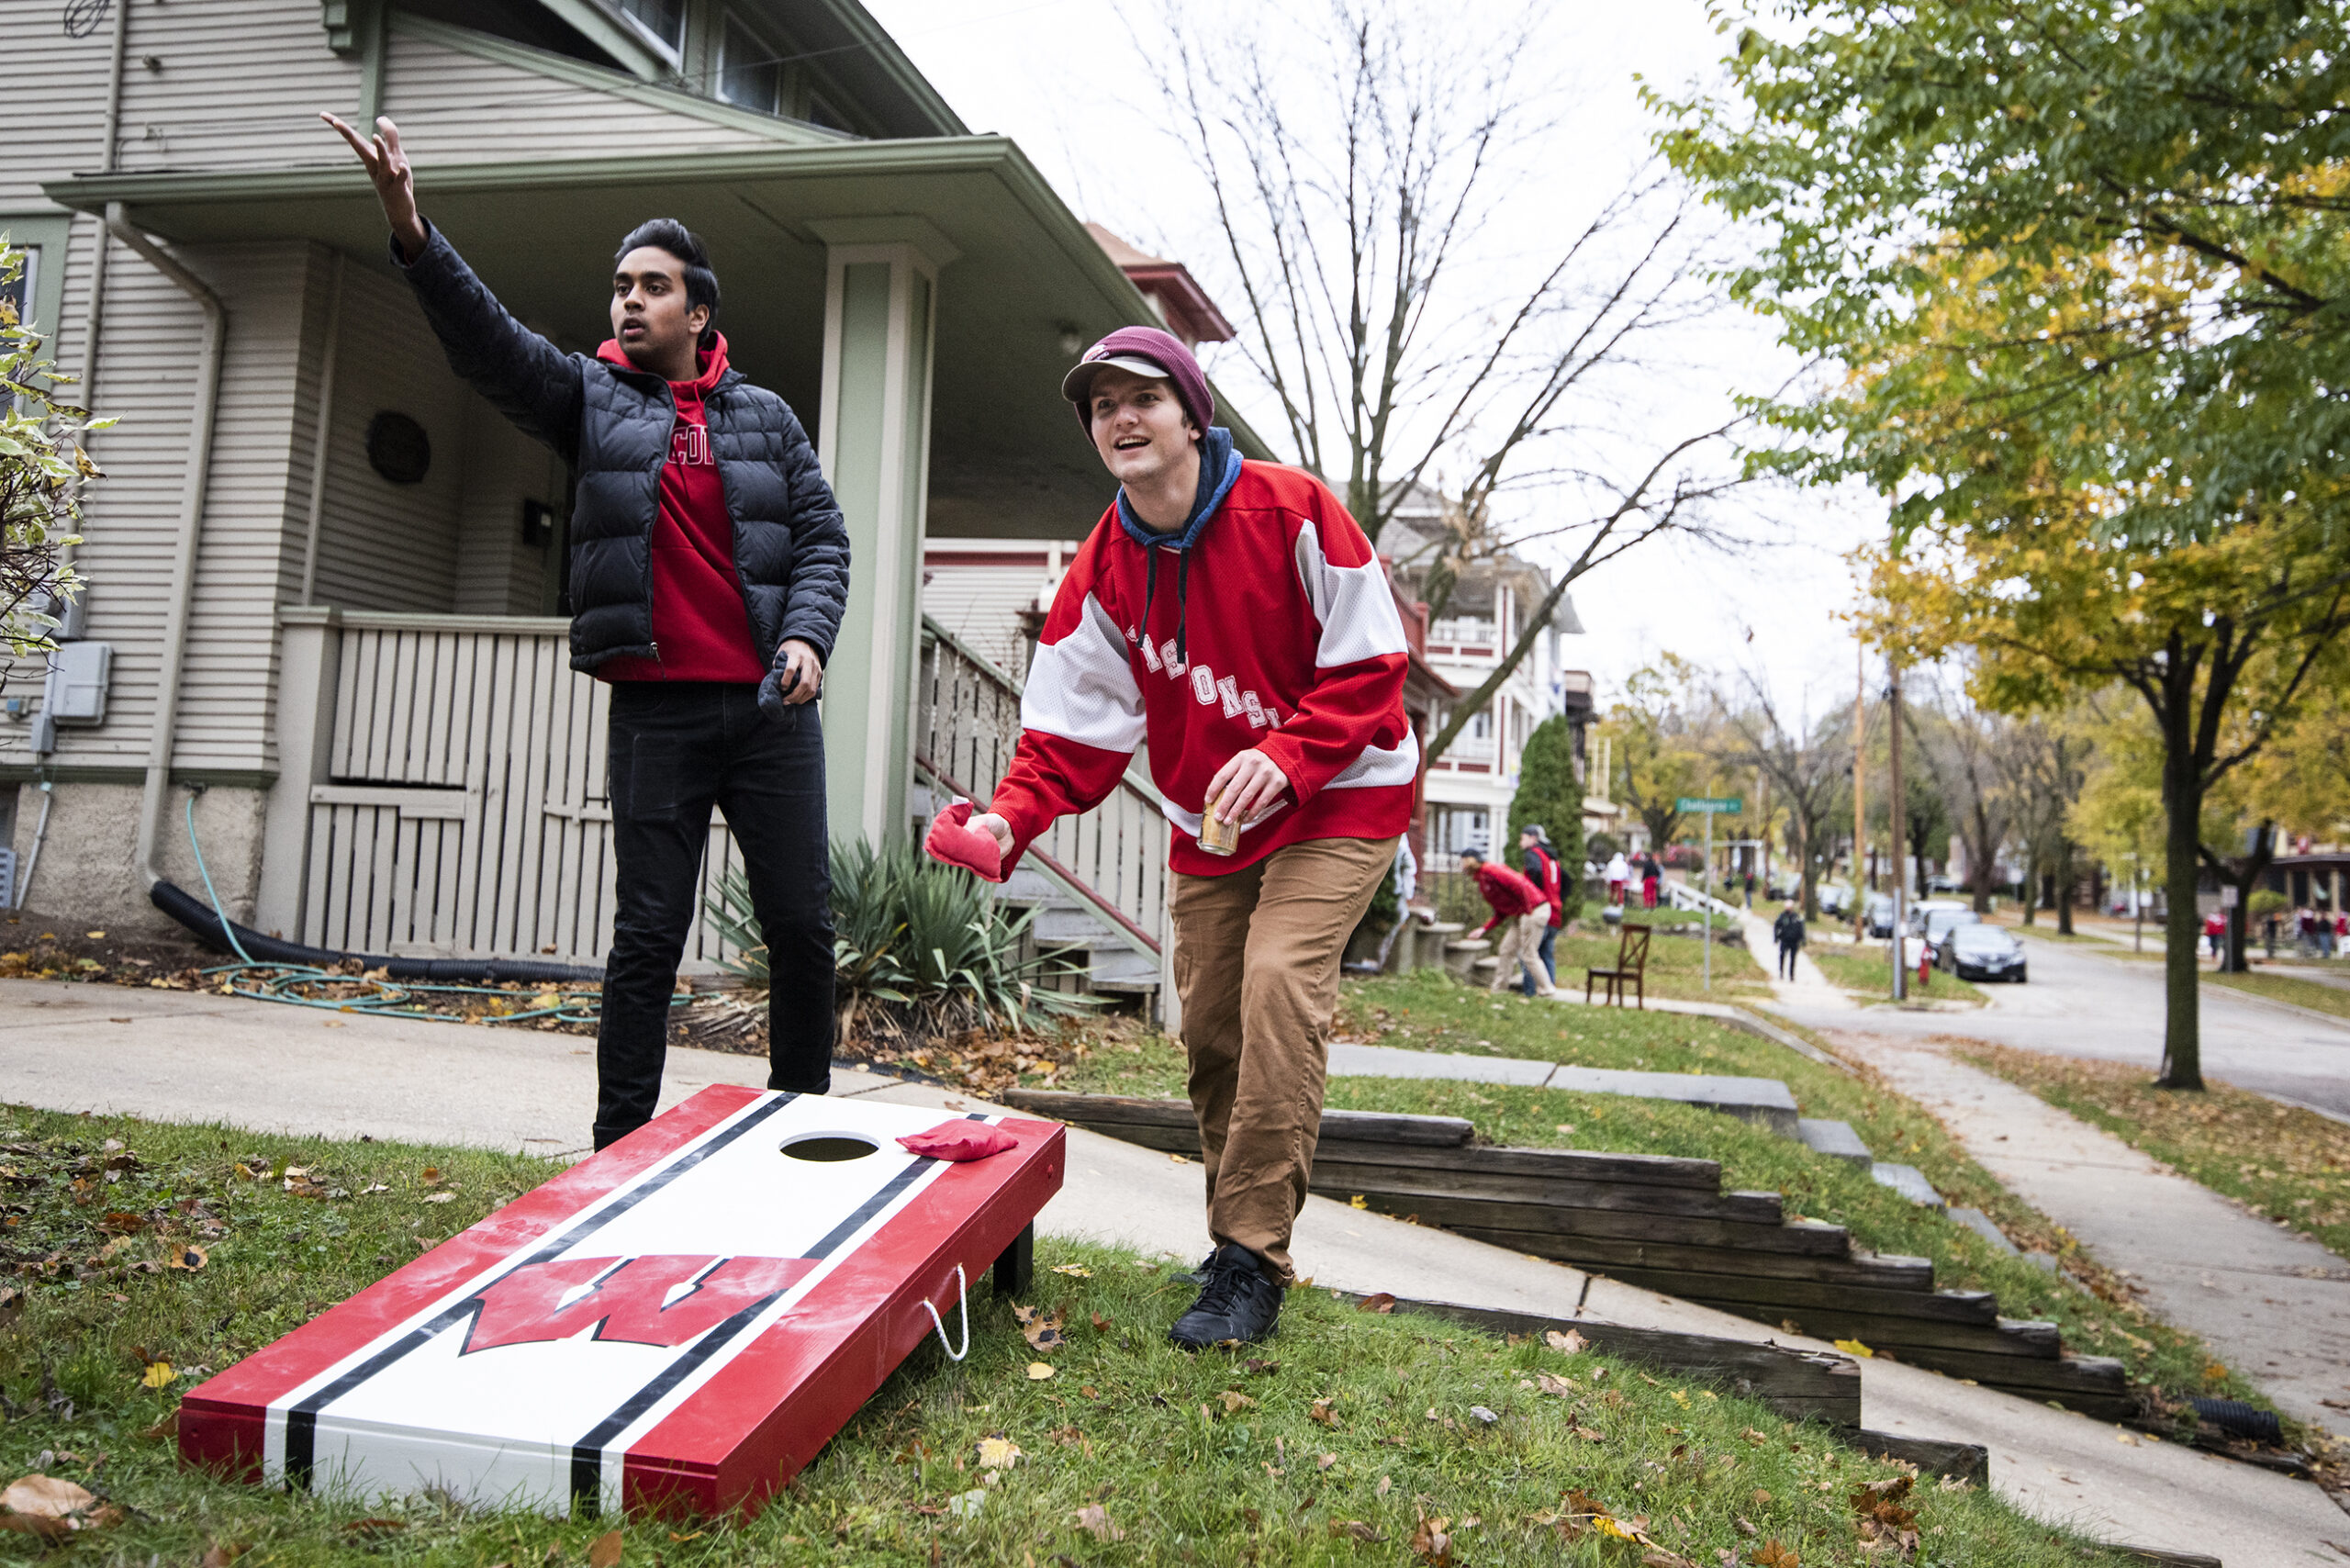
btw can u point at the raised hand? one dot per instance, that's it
(387, 166)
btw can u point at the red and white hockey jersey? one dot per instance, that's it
(1291, 644)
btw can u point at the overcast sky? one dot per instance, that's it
(1066, 79)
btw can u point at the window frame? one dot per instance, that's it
(731, 27)
(50, 234)
(674, 52)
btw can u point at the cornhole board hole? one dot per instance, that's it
(680, 1322)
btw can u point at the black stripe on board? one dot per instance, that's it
(588, 1455)
(302, 1419)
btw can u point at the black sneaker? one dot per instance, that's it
(1240, 1304)
(1198, 1276)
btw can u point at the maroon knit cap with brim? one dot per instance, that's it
(1144, 350)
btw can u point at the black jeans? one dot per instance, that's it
(678, 748)
(1787, 951)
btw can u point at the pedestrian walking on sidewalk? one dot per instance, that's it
(1523, 914)
(1233, 614)
(1652, 874)
(709, 568)
(1787, 930)
(1619, 871)
(1540, 867)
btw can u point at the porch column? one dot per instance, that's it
(881, 291)
(309, 661)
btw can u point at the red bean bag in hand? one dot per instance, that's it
(960, 1140)
(953, 840)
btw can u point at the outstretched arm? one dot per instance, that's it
(524, 377)
(387, 166)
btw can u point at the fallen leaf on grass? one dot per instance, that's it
(606, 1552)
(1880, 1517)
(1094, 1520)
(52, 1508)
(159, 1374)
(1261, 1367)
(997, 1453)
(1235, 1401)
(221, 1553)
(1771, 1554)
(1074, 1271)
(1431, 1541)
(438, 1198)
(1101, 1324)
(1040, 1328)
(430, 1174)
(1321, 1410)
(1548, 1383)
(169, 1427)
(1323, 1461)
(371, 1529)
(1355, 1530)
(1383, 1301)
(189, 1258)
(1567, 1344)
(122, 1222)
(1039, 1371)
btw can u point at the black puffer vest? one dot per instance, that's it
(613, 425)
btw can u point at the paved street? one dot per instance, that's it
(2083, 1001)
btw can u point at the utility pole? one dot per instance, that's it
(1860, 793)
(1898, 803)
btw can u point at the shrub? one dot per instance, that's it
(928, 943)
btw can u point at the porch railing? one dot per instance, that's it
(1113, 860)
(442, 792)
(458, 805)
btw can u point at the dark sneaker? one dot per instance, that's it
(1240, 1304)
(1197, 1276)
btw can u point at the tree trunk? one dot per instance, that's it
(1807, 873)
(2183, 808)
(2065, 879)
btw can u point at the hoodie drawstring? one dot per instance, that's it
(1183, 602)
(1149, 588)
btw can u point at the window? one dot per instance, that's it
(1481, 724)
(664, 19)
(749, 74)
(1452, 829)
(20, 291)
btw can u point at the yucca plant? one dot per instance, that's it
(924, 936)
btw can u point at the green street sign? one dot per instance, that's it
(1731, 804)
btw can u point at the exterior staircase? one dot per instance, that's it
(1111, 962)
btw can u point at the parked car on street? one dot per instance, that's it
(1879, 914)
(1924, 910)
(1982, 952)
(1835, 899)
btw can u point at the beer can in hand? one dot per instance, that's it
(1218, 836)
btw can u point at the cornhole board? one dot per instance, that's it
(681, 1321)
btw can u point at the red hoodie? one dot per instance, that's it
(1291, 644)
(700, 622)
(1508, 891)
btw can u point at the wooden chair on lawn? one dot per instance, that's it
(1631, 964)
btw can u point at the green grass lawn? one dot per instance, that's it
(2313, 994)
(2290, 1164)
(1427, 1011)
(1352, 1437)
(1869, 969)
(1676, 964)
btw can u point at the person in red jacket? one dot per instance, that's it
(1234, 616)
(1522, 912)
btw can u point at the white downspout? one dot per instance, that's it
(200, 463)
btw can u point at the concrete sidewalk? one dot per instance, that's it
(1810, 988)
(2271, 1301)
(179, 1056)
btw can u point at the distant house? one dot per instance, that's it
(329, 578)
(1469, 789)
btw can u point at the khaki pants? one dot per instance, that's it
(1520, 953)
(1257, 964)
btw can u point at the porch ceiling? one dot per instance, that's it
(1005, 453)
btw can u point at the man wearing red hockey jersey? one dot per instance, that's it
(1523, 911)
(1234, 615)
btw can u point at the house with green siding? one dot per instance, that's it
(327, 579)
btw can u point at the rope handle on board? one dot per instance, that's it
(963, 1298)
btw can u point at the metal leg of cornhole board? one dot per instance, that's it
(680, 1322)
(1017, 1267)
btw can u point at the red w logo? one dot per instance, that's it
(627, 1302)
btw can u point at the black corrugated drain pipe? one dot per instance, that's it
(226, 935)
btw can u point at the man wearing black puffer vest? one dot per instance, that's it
(709, 567)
